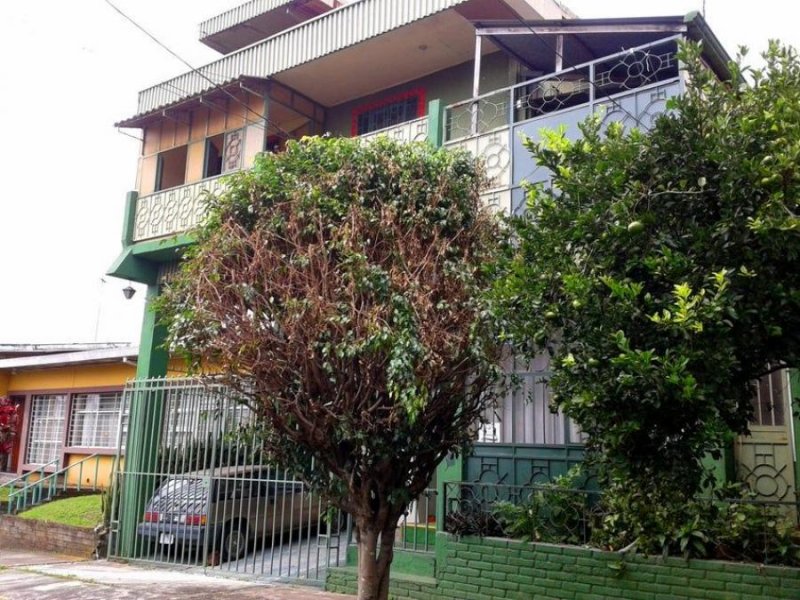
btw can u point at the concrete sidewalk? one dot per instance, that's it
(31, 575)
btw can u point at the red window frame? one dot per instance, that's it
(418, 93)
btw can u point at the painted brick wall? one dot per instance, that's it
(27, 534)
(486, 569)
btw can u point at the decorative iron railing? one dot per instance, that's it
(410, 131)
(173, 211)
(598, 81)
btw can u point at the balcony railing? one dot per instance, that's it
(173, 211)
(410, 131)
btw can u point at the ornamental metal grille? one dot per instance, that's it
(46, 428)
(769, 404)
(95, 420)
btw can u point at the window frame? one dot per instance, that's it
(70, 447)
(418, 93)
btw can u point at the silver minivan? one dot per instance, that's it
(226, 510)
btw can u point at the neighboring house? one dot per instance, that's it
(70, 400)
(460, 73)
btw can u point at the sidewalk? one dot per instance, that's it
(31, 575)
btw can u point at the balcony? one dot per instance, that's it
(173, 211)
(631, 87)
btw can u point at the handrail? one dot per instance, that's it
(12, 485)
(18, 499)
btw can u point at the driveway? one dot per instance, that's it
(31, 575)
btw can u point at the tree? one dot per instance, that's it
(338, 286)
(661, 270)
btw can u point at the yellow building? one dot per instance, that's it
(71, 410)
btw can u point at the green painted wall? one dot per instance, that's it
(450, 85)
(472, 568)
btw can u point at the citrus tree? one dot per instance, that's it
(661, 271)
(338, 286)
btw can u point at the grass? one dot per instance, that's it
(81, 511)
(3, 494)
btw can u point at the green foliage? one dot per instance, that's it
(339, 287)
(661, 272)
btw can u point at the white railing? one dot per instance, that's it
(410, 131)
(598, 81)
(173, 211)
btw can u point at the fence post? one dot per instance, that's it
(450, 469)
(145, 420)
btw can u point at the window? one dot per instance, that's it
(213, 161)
(769, 400)
(46, 428)
(388, 112)
(171, 169)
(95, 420)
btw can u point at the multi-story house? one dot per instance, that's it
(460, 73)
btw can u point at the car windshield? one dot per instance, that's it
(186, 495)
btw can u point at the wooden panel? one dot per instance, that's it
(194, 161)
(237, 113)
(216, 122)
(181, 134)
(152, 139)
(199, 124)
(253, 144)
(167, 135)
(147, 175)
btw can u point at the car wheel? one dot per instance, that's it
(235, 540)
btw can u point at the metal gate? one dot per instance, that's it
(194, 489)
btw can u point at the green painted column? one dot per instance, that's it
(436, 122)
(449, 470)
(794, 387)
(144, 425)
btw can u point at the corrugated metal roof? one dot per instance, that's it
(238, 15)
(331, 32)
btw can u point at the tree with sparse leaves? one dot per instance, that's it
(338, 286)
(661, 270)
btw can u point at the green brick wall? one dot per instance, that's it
(484, 569)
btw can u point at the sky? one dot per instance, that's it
(69, 70)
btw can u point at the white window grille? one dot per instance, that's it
(95, 420)
(523, 415)
(46, 428)
(769, 401)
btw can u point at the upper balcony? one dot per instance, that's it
(190, 146)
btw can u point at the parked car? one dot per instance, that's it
(226, 510)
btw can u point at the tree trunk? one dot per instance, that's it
(375, 552)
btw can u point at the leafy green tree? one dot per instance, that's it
(661, 270)
(338, 286)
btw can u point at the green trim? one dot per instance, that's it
(450, 469)
(794, 388)
(145, 421)
(129, 218)
(135, 268)
(163, 249)
(435, 122)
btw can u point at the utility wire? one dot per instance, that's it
(286, 135)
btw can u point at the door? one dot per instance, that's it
(765, 458)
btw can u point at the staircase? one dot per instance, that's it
(39, 486)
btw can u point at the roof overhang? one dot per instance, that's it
(533, 42)
(107, 355)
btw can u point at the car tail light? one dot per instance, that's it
(192, 519)
(151, 517)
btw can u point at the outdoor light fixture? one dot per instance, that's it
(128, 292)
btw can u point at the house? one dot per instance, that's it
(460, 73)
(70, 410)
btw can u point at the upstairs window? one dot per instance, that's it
(213, 162)
(171, 169)
(388, 112)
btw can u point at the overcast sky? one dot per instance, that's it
(69, 70)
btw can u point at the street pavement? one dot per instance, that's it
(32, 575)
